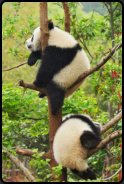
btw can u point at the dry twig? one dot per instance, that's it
(19, 165)
(14, 67)
(80, 4)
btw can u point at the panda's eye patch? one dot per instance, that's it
(32, 38)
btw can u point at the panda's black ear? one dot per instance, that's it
(51, 26)
(33, 57)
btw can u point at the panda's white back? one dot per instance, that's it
(60, 38)
(68, 75)
(67, 147)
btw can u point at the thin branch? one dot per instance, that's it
(105, 141)
(17, 10)
(98, 12)
(27, 152)
(14, 67)
(83, 43)
(32, 86)
(112, 122)
(103, 54)
(80, 4)
(19, 165)
(86, 48)
(107, 7)
(23, 94)
(116, 7)
(97, 66)
(112, 175)
(104, 129)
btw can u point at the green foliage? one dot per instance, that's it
(57, 171)
(23, 121)
(109, 81)
(29, 107)
(42, 170)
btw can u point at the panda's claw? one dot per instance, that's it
(41, 95)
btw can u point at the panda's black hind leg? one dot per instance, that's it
(56, 96)
(87, 174)
(89, 140)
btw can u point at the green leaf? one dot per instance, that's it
(9, 165)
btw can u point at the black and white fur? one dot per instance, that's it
(63, 62)
(72, 142)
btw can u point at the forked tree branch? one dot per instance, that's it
(102, 144)
(106, 127)
(19, 165)
(105, 141)
(31, 86)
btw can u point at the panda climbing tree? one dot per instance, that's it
(49, 82)
(63, 62)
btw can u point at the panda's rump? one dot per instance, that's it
(67, 147)
(69, 74)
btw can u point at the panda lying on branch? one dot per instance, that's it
(74, 138)
(63, 62)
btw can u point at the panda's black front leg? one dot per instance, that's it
(33, 57)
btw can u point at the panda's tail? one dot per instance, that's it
(87, 174)
(56, 95)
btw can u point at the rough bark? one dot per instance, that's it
(67, 16)
(44, 25)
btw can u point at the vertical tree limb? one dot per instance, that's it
(44, 24)
(54, 121)
(67, 16)
(54, 124)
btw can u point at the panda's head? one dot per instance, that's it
(34, 45)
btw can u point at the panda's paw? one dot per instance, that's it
(86, 174)
(41, 95)
(36, 83)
